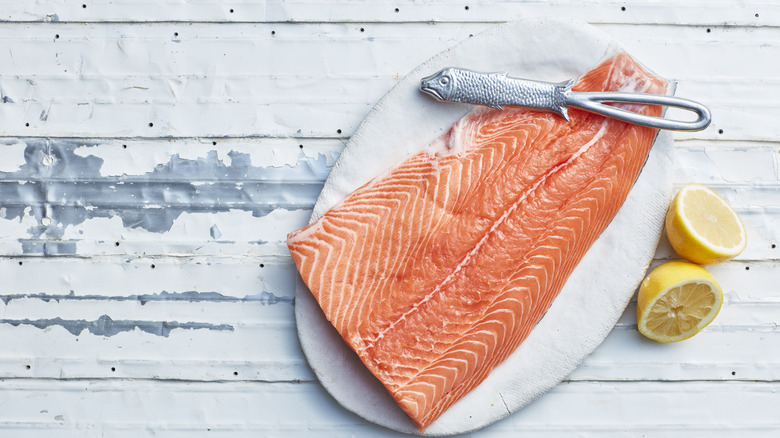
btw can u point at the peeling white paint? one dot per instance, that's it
(131, 158)
(11, 230)
(98, 228)
(13, 156)
(235, 226)
(121, 162)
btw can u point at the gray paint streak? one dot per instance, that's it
(264, 298)
(68, 189)
(105, 326)
(47, 247)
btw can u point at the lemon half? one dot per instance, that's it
(676, 300)
(703, 228)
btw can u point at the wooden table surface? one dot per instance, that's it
(154, 155)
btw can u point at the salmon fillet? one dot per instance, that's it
(437, 270)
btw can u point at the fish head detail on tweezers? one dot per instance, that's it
(440, 85)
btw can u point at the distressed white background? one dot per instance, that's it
(154, 154)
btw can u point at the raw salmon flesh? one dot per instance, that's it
(436, 271)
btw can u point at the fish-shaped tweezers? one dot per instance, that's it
(498, 90)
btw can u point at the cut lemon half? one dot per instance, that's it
(676, 300)
(703, 228)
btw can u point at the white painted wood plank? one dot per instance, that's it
(733, 101)
(639, 12)
(145, 248)
(101, 330)
(236, 277)
(264, 351)
(229, 51)
(71, 196)
(260, 353)
(243, 279)
(96, 408)
(265, 89)
(237, 80)
(753, 12)
(240, 197)
(279, 160)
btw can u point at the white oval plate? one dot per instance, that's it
(596, 293)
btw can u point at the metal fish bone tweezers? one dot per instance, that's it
(498, 90)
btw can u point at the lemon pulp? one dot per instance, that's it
(676, 300)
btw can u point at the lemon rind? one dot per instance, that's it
(721, 251)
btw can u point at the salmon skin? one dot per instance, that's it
(437, 270)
